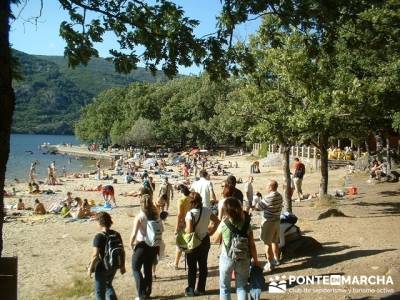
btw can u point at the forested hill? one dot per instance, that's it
(50, 95)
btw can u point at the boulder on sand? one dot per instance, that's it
(304, 246)
(332, 212)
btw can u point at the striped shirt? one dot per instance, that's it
(272, 206)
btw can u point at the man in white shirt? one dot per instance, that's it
(204, 187)
(248, 190)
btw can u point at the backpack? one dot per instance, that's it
(113, 251)
(239, 244)
(153, 236)
(288, 218)
(300, 172)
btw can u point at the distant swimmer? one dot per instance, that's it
(29, 151)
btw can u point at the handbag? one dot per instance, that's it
(187, 242)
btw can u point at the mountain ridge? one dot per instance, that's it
(50, 95)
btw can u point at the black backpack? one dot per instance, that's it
(113, 251)
(239, 245)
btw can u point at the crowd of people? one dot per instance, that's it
(202, 219)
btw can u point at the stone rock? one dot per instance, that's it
(332, 212)
(304, 246)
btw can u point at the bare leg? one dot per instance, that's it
(268, 253)
(178, 255)
(275, 250)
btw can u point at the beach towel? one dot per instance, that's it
(97, 209)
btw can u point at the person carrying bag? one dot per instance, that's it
(237, 249)
(197, 245)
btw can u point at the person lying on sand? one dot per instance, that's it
(97, 188)
(38, 208)
(7, 194)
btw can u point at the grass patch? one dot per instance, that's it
(78, 287)
(325, 201)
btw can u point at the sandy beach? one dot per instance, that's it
(53, 253)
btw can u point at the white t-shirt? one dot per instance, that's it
(204, 187)
(202, 226)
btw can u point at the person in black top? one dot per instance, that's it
(231, 180)
(103, 278)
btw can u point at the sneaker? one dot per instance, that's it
(189, 292)
(276, 262)
(268, 267)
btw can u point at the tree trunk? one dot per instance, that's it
(389, 161)
(287, 204)
(7, 101)
(379, 141)
(323, 148)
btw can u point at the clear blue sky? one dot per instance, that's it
(44, 38)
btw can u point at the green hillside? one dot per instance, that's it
(50, 96)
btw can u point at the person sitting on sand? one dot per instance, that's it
(38, 208)
(68, 200)
(20, 205)
(77, 211)
(86, 208)
(108, 194)
(65, 211)
(35, 189)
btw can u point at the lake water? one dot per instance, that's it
(21, 156)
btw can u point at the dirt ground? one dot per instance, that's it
(53, 254)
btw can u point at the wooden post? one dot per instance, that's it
(302, 151)
(351, 144)
(315, 159)
(338, 143)
(308, 152)
(297, 151)
(292, 150)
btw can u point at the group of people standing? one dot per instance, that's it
(226, 222)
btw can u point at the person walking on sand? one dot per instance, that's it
(166, 193)
(105, 242)
(231, 180)
(145, 241)
(299, 171)
(32, 172)
(248, 190)
(54, 171)
(183, 207)
(98, 167)
(271, 206)
(198, 220)
(235, 233)
(205, 188)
